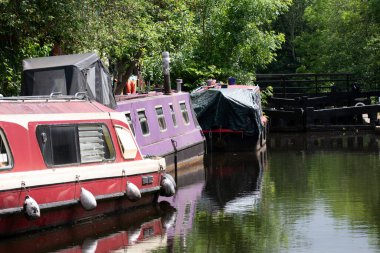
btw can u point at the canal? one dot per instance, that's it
(303, 193)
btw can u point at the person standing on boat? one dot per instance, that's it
(231, 80)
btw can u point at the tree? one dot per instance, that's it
(31, 29)
(205, 38)
(292, 24)
(342, 36)
(237, 35)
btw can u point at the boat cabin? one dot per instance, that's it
(163, 125)
(64, 152)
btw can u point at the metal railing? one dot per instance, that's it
(308, 84)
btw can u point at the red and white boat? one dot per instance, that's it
(66, 158)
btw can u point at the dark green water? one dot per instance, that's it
(316, 194)
(313, 193)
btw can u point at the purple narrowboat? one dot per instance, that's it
(164, 125)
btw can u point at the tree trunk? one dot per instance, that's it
(125, 76)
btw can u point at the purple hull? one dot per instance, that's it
(164, 125)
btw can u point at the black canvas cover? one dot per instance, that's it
(68, 74)
(235, 109)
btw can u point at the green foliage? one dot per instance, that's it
(265, 95)
(205, 38)
(342, 36)
(237, 35)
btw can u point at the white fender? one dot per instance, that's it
(133, 236)
(168, 176)
(169, 221)
(89, 245)
(167, 187)
(87, 199)
(31, 208)
(133, 192)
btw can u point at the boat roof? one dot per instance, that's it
(78, 60)
(50, 105)
(131, 98)
(254, 88)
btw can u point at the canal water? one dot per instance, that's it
(303, 193)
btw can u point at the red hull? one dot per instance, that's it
(18, 223)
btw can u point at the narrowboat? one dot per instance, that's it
(231, 117)
(66, 159)
(163, 124)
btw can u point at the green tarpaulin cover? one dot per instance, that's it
(236, 109)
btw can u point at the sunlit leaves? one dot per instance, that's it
(340, 38)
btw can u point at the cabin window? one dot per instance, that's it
(185, 114)
(129, 120)
(74, 144)
(173, 115)
(127, 143)
(6, 161)
(63, 145)
(161, 118)
(143, 122)
(95, 143)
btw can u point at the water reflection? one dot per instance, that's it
(344, 141)
(190, 185)
(140, 230)
(326, 187)
(234, 180)
(298, 198)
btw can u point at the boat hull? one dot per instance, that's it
(226, 140)
(60, 203)
(185, 156)
(17, 223)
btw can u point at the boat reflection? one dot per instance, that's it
(190, 185)
(223, 181)
(314, 141)
(140, 230)
(234, 180)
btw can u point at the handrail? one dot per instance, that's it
(51, 97)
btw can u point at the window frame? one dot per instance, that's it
(121, 142)
(130, 123)
(146, 121)
(4, 140)
(172, 113)
(46, 141)
(161, 118)
(186, 120)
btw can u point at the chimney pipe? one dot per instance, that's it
(179, 85)
(166, 70)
